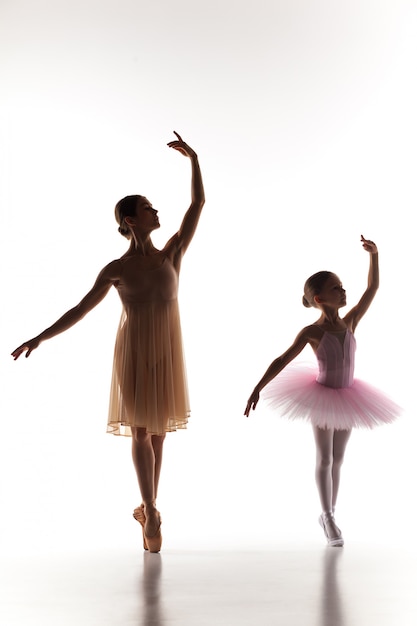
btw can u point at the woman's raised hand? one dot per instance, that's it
(180, 145)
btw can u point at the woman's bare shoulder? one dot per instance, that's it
(112, 270)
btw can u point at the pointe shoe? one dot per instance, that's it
(139, 515)
(326, 520)
(154, 541)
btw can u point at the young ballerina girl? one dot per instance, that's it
(149, 394)
(332, 399)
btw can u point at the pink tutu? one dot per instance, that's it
(296, 393)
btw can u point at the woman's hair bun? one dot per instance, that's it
(123, 231)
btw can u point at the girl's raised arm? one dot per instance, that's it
(358, 311)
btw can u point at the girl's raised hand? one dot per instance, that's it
(369, 245)
(181, 146)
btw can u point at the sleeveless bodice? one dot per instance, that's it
(138, 285)
(336, 359)
(149, 383)
(331, 398)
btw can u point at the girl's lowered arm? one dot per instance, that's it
(276, 367)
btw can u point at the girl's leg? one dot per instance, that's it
(324, 464)
(340, 439)
(330, 448)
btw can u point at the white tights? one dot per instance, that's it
(330, 451)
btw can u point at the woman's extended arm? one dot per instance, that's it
(100, 288)
(358, 311)
(190, 221)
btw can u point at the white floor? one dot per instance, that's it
(303, 586)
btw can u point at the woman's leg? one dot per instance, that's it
(147, 459)
(158, 446)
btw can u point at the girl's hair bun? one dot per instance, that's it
(306, 302)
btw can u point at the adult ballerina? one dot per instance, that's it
(149, 394)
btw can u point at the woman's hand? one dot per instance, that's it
(27, 347)
(182, 147)
(369, 245)
(252, 402)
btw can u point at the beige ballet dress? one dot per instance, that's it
(149, 382)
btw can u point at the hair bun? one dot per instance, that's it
(123, 231)
(306, 302)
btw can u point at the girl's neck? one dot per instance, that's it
(331, 319)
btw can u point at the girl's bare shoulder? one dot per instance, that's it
(311, 334)
(312, 331)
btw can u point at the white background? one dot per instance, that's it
(303, 116)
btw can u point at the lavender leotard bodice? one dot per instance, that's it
(336, 359)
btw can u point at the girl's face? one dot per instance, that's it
(147, 216)
(332, 293)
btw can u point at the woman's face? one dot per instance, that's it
(332, 293)
(147, 216)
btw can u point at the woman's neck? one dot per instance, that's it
(141, 246)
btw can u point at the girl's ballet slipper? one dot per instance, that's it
(336, 541)
(139, 515)
(154, 541)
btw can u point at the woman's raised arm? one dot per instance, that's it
(192, 216)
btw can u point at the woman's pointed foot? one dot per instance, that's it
(139, 515)
(152, 528)
(332, 533)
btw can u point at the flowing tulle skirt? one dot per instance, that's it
(296, 394)
(149, 384)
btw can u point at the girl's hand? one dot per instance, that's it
(369, 245)
(252, 402)
(27, 347)
(182, 147)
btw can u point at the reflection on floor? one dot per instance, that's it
(310, 586)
